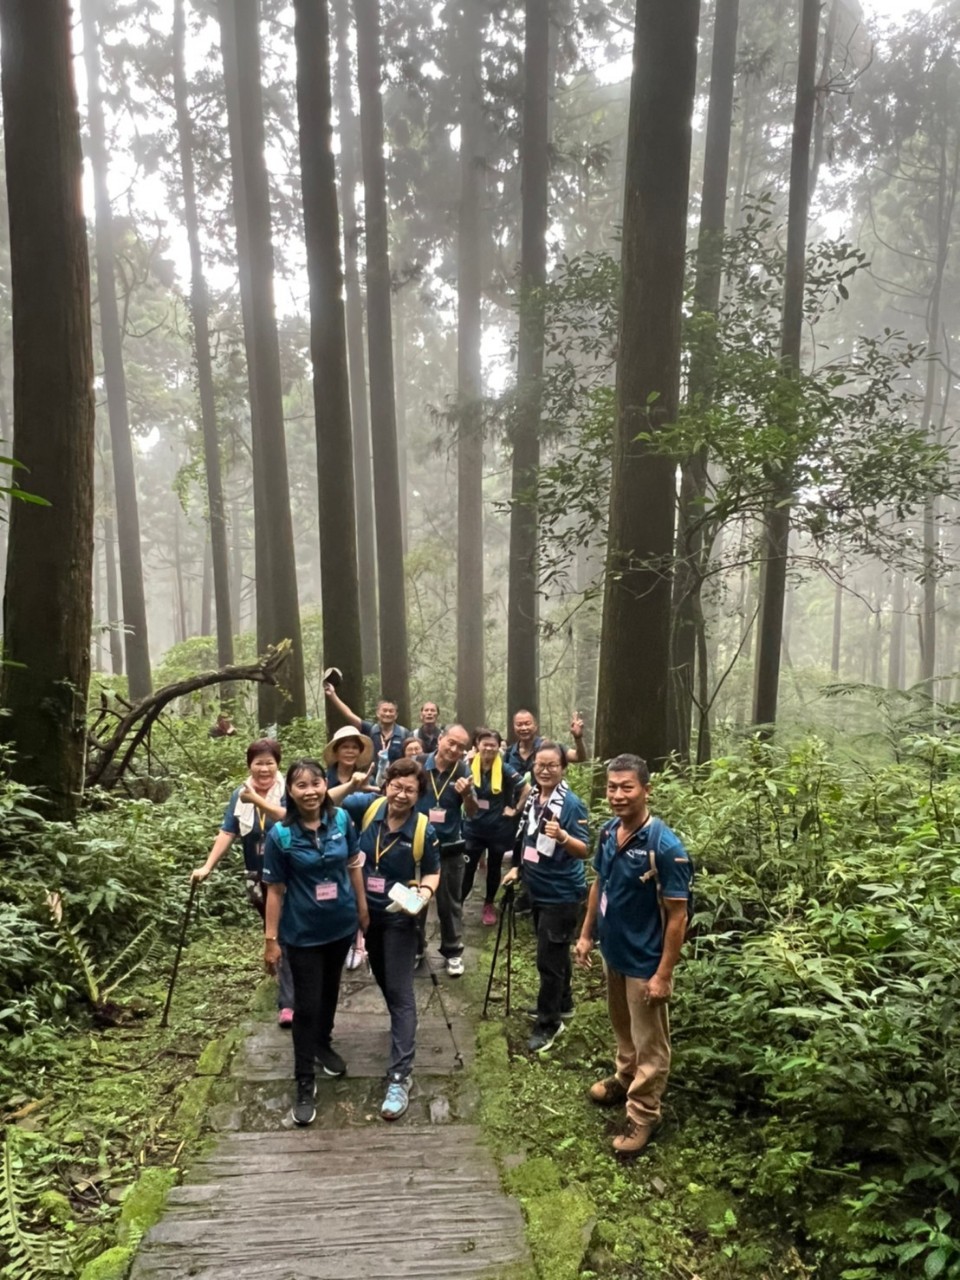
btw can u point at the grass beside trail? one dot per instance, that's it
(118, 1101)
(682, 1209)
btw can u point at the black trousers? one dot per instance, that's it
(392, 947)
(496, 851)
(316, 990)
(556, 925)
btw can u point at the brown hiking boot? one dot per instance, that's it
(607, 1093)
(634, 1138)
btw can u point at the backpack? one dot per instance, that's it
(419, 831)
(284, 837)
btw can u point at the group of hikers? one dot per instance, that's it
(345, 854)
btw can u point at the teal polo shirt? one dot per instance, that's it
(558, 877)
(319, 904)
(395, 863)
(441, 796)
(629, 923)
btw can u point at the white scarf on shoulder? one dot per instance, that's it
(554, 805)
(246, 813)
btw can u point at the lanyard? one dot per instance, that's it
(378, 853)
(433, 783)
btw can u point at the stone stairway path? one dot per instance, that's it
(352, 1196)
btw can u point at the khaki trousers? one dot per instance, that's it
(643, 1045)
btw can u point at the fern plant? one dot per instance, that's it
(27, 1255)
(99, 983)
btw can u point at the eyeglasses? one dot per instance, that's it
(547, 764)
(402, 789)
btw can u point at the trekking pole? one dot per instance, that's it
(457, 1055)
(176, 959)
(508, 910)
(507, 899)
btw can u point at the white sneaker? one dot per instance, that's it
(455, 966)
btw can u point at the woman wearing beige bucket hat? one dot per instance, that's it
(348, 753)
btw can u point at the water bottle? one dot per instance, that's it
(383, 759)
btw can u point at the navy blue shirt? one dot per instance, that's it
(389, 854)
(253, 842)
(394, 743)
(442, 795)
(490, 824)
(524, 764)
(319, 905)
(629, 923)
(555, 876)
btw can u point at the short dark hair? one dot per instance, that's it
(304, 765)
(552, 746)
(385, 702)
(478, 734)
(406, 767)
(263, 747)
(430, 703)
(628, 763)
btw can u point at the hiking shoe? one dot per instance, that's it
(489, 915)
(304, 1110)
(533, 1013)
(285, 1019)
(356, 957)
(455, 966)
(330, 1060)
(543, 1038)
(397, 1098)
(634, 1138)
(608, 1092)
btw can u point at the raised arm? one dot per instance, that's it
(350, 716)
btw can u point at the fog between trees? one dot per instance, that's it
(634, 400)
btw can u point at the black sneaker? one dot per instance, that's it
(533, 1013)
(330, 1060)
(304, 1111)
(543, 1038)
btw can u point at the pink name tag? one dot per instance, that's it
(377, 884)
(603, 903)
(437, 815)
(483, 804)
(326, 891)
(531, 855)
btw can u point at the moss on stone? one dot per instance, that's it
(217, 1054)
(143, 1203)
(112, 1265)
(56, 1207)
(533, 1178)
(193, 1105)
(560, 1224)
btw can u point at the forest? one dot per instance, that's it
(594, 358)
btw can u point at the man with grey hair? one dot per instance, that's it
(638, 909)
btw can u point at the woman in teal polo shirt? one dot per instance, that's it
(312, 868)
(555, 839)
(399, 847)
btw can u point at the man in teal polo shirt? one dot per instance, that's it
(638, 909)
(449, 794)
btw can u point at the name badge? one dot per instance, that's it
(377, 884)
(327, 891)
(530, 855)
(483, 804)
(603, 903)
(546, 846)
(437, 815)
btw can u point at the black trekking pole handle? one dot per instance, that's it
(176, 959)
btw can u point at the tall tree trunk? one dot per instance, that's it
(895, 655)
(523, 589)
(328, 350)
(180, 616)
(400, 365)
(236, 568)
(121, 446)
(773, 574)
(206, 590)
(47, 605)
(823, 90)
(200, 317)
(632, 705)
(691, 551)
(362, 461)
(96, 660)
(394, 660)
(837, 624)
(113, 612)
(470, 647)
(278, 609)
